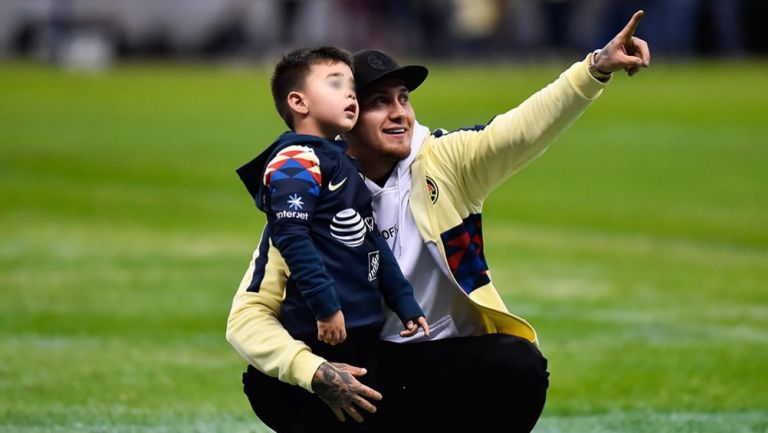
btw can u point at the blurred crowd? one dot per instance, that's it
(101, 30)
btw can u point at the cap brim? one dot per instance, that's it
(412, 76)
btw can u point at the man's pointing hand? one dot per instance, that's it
(625, 51)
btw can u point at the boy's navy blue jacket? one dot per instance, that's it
(319, 216)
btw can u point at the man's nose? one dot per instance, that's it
(397, 111)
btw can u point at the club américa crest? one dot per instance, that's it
(432, 189)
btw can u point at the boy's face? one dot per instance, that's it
(329, 92)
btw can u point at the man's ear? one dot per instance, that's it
(297, 102)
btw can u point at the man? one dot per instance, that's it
(481, 369)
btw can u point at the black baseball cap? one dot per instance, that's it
(373, 66)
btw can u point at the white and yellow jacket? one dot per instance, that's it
(464, 166)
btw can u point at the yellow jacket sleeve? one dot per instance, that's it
(254, 330)
(484, 159)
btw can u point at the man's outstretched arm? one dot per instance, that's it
(483, 159)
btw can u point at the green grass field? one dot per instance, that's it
(638, 245)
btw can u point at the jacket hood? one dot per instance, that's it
(252, 172)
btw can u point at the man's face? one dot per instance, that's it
(330, 97)
(385, 126)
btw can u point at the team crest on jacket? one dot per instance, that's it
(432, 189)
(373, 265)
(348, 228)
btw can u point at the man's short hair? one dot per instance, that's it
(292, 71)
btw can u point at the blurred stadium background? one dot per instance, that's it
(638, 245)
(79, 31)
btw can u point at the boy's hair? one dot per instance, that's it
(292, 71)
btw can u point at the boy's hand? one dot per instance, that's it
(411, 327)
(331, 329)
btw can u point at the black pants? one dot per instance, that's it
(488, 383)
(291, 409)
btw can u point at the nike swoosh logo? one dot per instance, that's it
(333, 187)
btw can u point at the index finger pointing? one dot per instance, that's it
(629, 29)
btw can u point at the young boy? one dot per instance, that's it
(320, 216)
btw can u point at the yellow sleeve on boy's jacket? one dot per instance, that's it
(486, 158)
(254, 330)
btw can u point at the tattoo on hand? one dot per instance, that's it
(332, 385)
